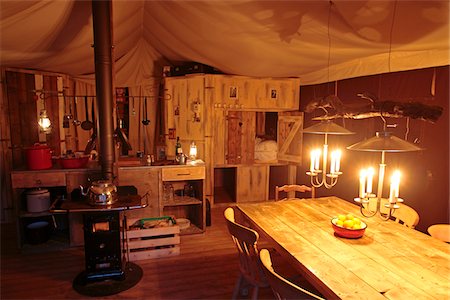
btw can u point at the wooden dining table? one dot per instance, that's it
(390, 261)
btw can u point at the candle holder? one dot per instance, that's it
(383, 142)
(320, 177)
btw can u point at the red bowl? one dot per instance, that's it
(74, 162)
(347, 232)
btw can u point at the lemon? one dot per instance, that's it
(340, 223)
(348, 223)
(356, 226)
(342, 218)
(357, 221)
(349, 217)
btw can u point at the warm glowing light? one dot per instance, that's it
(44, 121)
(362, 183)
(395, 186)
(370, 172)
(335, 161)
(193, 151)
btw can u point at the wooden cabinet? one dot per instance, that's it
(37, 179)
(252, 183)
(67, 229)
(247, 93)
(184, 196)
(177, 191)
(147, 181)
(223, 115)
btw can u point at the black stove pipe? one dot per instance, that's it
(101, 15)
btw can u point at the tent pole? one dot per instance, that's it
(101, 15)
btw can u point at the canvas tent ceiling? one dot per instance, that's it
(245, 37)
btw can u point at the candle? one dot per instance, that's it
(370, 172)
(362, 183)
(338, 160)
(394, 188)
(311, 168)
(333, 162)
(317, 160)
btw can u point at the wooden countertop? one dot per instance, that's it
(390, 261)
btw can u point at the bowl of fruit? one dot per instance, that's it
(348, 226)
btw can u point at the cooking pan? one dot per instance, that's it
(91, 145)
(86, 125)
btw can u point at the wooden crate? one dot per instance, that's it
(153, 242)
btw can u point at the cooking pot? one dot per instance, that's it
(38, 200)
(101, 192)
(39, 157)
(74, 162)
(38, 232)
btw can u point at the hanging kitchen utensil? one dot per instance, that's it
(92, 142)
(75, 121)
(122, 136)
(133, 111)
(70, 116)
(86, 125)
(146, 121)
(66, 119)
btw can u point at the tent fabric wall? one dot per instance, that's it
(253, 38)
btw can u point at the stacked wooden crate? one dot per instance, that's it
(158, 241)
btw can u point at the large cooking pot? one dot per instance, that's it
(38, 200)
(101, 192)
(39, 157)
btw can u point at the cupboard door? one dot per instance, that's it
(252, 183)
(290, 137)
(147, 181)
(241, 137)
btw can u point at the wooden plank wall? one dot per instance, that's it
(22, 112)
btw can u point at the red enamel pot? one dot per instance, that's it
(39, 157)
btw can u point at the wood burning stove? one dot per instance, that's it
(102, 245)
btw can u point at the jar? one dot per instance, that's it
(38, 200)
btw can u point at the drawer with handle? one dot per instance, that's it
(37, 179)
(183, 173)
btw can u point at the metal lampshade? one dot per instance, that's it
(384, 142)
(327, 127)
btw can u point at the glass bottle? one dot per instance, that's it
(177, 145)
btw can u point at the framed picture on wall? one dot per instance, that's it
(233, 92)
(273, 93)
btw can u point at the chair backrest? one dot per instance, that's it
(290, 188)
(406, 215)
(245, 240)
(440, 231)
(282, 288)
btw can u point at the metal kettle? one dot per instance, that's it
(101, 192)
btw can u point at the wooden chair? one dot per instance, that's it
(440, 231)
(290, 188)
(250, 268)
(406, 215)
(282, 288)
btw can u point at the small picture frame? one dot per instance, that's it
(273, 93)
(233, 92)
(172, 133)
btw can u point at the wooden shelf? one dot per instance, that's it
(181, 200)
(26, 214)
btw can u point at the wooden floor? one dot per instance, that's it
(207, 268)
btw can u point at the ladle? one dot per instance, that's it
(66, 118)
(145, 121)
(75, 121)
(86, 125)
